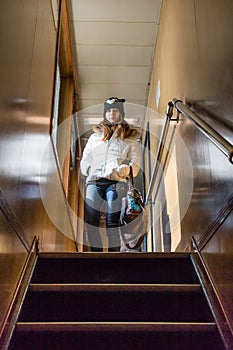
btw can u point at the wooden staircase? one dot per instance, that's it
(115, 301)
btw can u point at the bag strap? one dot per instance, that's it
(131, 175)
(130, 180)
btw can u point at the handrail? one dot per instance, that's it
(6, 331)
(218, 140)
(212, 295)
(201, 107)
(13, 220)
(147, 145)
(168, 114)
(220, 218)
(223, 145)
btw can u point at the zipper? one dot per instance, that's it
(106, 155)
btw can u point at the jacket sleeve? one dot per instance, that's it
(86, 157)
(133, 159)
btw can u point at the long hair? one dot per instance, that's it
(120, 130)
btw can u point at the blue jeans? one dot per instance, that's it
(104, 195)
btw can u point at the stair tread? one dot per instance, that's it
(143, 287)
(117, 326)
(113, 255)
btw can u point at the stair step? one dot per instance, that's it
(116, 326)
(127, 268)
(127, 303)
(102, 301)
(114, 336)
(113, 287)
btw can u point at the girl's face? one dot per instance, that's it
(113, 115)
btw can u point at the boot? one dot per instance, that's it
(114, 249)
(94, 249)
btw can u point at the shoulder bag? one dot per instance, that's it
(133, 218)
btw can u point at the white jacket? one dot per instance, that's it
(109, 159)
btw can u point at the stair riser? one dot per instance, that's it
(114, 270)
(115, 341)
(115, 306)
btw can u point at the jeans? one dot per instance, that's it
(104, 195)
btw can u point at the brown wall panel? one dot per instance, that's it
(28, 40)
(29, 175)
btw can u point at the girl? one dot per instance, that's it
(106, 161)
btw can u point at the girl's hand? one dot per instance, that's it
(124, 170)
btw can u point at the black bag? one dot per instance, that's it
(133, 218)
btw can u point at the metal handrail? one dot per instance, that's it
(168, 115)
(147, 146)
(12, 218)
(223, 145)
(12, 313)
(218, 140)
